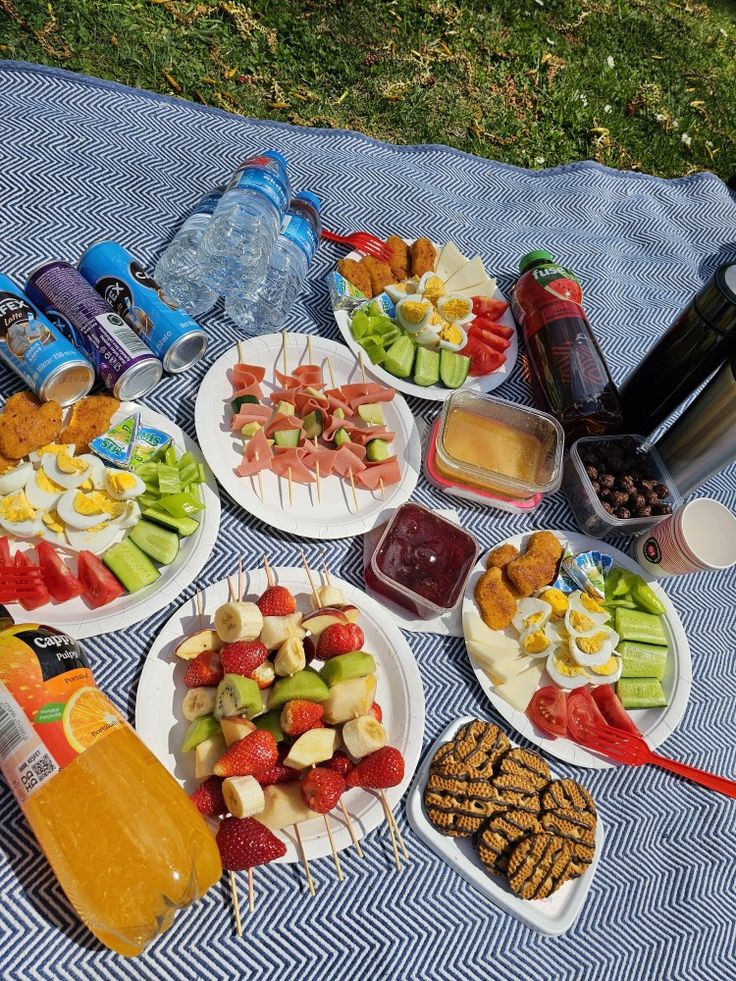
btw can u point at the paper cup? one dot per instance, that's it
(700, 536)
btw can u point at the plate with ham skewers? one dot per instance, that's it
(300, 438)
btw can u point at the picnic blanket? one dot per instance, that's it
(82, 159)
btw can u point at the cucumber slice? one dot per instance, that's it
(341, 436)
(156, 541)
(131, 565)
(183, 526)
(642, 660)
(287, 437)
(426, 367)
(242, 400)
(339, 413)
(376, 449)
(250, 429)
(313, 424)
(454, 368)
(400, 357)
(640, 693)
(646, 628)
(372, 413)
(286, 408)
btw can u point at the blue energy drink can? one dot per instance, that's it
(38, 352)
(125, 364)
(172, 335)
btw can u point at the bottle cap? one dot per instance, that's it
(278, 157)
(309, 198)
(538, 255)
(716, 301)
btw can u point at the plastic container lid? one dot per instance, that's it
(535, 255)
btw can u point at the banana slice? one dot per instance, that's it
(290, 658)
(238, 621)
(243, 796)
(327, 596)
(363, 736)
(277, 630)
(198, 702)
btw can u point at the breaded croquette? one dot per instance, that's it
(26, 424)
(357, 274)
(380, 273)
(537, 567)
(399, 258)
(500, 557)
(90, 417)
(495, 600)
(423, 257)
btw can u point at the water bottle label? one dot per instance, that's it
(266, 183)
(51, 711)
(299, 231)
(207, 204)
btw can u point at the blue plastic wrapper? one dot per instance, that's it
(594, 565)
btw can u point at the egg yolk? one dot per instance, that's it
(557, 600)
(414, 312)
(607, 669)
(580, 622)
(567, 667)
(536, 642)
(45, 483)
(590, 604)
(455, 309)
(17, 507)
(591, 645)
(532, 619)
(70, 464)
(120, 482)
(52, 521)
(434, 288)
(452, 334)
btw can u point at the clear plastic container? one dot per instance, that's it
(495, 452)
(591, 516)
(422, 561)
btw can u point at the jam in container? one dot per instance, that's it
(422, 561)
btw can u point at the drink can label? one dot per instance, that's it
(83, 316)
(33, 347)
(135, 295)
(51, 711)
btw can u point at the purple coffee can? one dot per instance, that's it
(123, 361)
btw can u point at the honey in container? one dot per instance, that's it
(495, 452)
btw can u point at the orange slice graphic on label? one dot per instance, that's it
(88, 715)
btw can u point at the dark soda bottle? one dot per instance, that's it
(566, 362)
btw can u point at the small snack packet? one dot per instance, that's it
(149, 444)
(343, 295)
(380, 306)
(115, 446)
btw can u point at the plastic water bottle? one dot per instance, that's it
(234, 251)
(177, 270)
(266, 307)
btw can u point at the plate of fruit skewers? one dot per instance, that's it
(299, 437)
(231, 701)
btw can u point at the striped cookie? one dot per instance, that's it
(523, 762)
(577, 828)
(473, 753)
(567, 795)
(499, 836)
(538, 865)
(458, 808)
(516, 791)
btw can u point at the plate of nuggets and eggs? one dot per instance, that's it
(503, 584)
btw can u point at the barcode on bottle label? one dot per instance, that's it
(24, 760)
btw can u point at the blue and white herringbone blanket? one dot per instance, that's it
(82, 160)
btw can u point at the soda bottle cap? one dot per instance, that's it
(278, 157)
(309, 198)
(535, 256)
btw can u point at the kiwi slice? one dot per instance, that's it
(306, 684)
(358, 664)
(205, 727)
(237, 695)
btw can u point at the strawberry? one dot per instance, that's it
(384, 768)
(278, 773)
(321, 789)
(299, 715)
(245, 842)
(339, 638)
(264, 675)
(205, 671)
(208, 799)
(339, 762)
(277, 601)
(243, 657)
(248, 757)
(376, 711)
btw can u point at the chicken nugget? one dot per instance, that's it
(356, 274)
(423, 257)
(90, 417)
(380, 273)
(537, 567)
(399, 258)
(500, 557)
(495, 601)
(26, 424)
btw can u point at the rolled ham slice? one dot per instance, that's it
(365, 392)
(346, 461)
(253, 389)
(364, 436)
(257, 456)
(280, 421)
(250, 413)
(386, 471)
(309, 375)
(338, 401)
(306, 403)
(319, 456)
(288, 458)
(333, 423)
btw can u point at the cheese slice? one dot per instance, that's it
(471, 274)
(489, 656)
(477, 630)
(504, 671)
(519, 690)
(450, 261)
(483, 289)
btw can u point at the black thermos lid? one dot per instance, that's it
(716, 301)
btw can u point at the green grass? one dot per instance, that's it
(647, 84)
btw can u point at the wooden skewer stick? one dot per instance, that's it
(309, 347)
(307, 569)
(230, 589)
(286, 363)
(335, 856)
(291, 490)
(307, 872)
(328, 359)
(251, 902)
(199, 603)
(393, 822)
(326, 572)
(236, 905)
(319, 482)
(269, 572)
(240, 579)
(260, 478)
(386, 811)
(240, 351)
(351, 829)
(352, 484)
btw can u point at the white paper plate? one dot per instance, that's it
(655, 724)
(335, 516)
(553, 915)
(80, 620)
(434, 393)
(159, 722)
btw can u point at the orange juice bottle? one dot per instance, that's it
(127, 845)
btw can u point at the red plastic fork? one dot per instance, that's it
(19, 584)
(361, 242)
(625, 747)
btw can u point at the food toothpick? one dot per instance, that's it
(328, 359)
(251, 902)
(392, 822)
(362, 375)
(352, 485)
(335, 856)
(284, 335)
(308, 571)
(319, 482)
(291, 489)
(389, 822)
